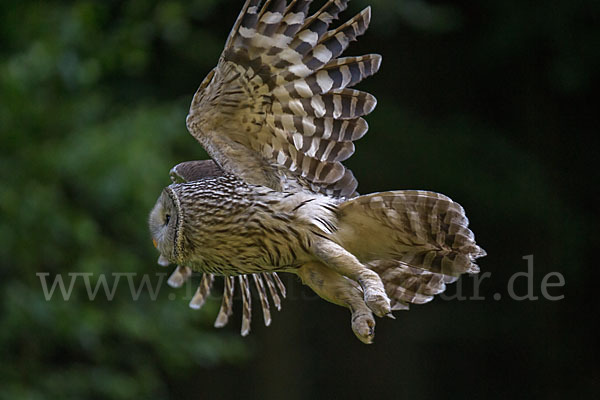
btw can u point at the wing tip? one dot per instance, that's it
(366, 15)
(377, 58)
(370, 103)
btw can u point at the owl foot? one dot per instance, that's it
(377, 301)
(363, 326)
(346, 264)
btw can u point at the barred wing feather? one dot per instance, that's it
(278, 109)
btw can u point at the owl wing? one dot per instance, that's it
(263, 281)
(277, 110)
(189, 171)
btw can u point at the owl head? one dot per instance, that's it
(165, 225)
(182, 210)
(186, 214)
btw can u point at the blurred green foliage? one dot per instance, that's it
(87, 143)
(486, 102)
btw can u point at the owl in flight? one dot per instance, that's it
(277, 115)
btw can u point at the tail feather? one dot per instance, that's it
(404, 284)
(416, 240)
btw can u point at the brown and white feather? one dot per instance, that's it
(226, 302)
(279, 115)
(202, 291)
(277, 109)
(246, 304)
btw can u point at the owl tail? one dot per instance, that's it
(416, 241)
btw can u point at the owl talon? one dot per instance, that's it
(363, 326)
(378, 302)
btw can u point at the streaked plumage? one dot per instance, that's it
(277, 110)
(278, 116)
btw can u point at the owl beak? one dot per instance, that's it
(154, 243)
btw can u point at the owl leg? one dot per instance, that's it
(345, 263)
(342, 291)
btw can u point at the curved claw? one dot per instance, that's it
(363, 326)
(377, 301)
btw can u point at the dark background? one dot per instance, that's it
(489, 102)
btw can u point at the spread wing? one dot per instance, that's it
(277, 110)
(189, 171)
(262, 281)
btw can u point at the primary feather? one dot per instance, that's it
(278, 109)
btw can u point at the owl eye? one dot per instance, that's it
(167, 219)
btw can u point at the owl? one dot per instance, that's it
(277, 115)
